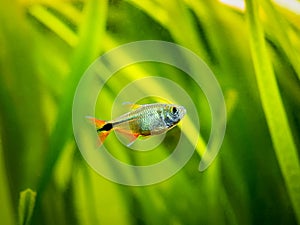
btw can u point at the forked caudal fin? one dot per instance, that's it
(103, 128)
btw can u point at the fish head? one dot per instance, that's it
(174, 113)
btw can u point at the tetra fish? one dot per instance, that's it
(142, 120)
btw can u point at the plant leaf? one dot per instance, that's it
(275, 114)
(26, 206)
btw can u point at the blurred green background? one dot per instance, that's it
(45, 47)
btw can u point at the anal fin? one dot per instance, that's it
(129, 136)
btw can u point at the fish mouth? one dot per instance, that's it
(181, 111)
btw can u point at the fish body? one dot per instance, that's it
(142, 120)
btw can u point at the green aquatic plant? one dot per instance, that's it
(26, 206)
(281, 133)
(254, 54)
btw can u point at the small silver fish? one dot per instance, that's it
(142, 120)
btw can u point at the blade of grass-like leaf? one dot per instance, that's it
(282, 36)
(93, 193)
(274, 110)
(17, 114)
(68, 10)
(63, 167)
(175, 17)
(6, 211)
(218, 27)
(54, 23)
(292, 13)
(26, 206)
(91, 33)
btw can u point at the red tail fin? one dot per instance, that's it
(103, 128)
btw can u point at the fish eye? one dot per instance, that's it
(174, 110)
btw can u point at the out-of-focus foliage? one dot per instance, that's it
(26, 206)
(45, 47)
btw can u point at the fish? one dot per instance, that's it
(142, 121)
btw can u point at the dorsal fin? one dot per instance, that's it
(131, 105)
